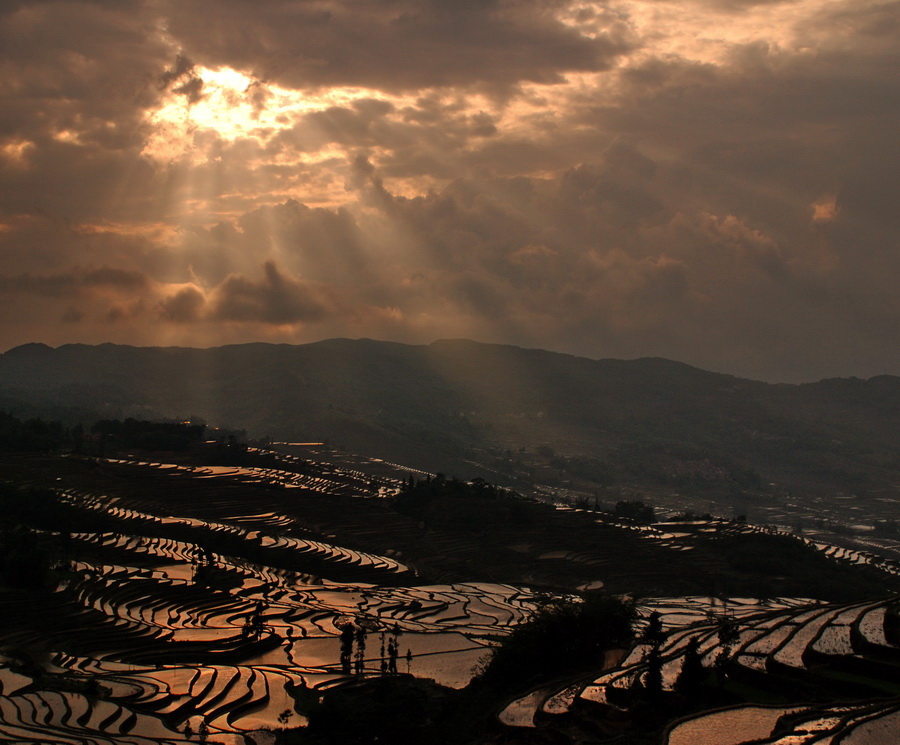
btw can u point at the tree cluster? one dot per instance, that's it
(148, 435)
(466, 504)
(34, 532)
(32, 435)
(564, 637)
(636, 511)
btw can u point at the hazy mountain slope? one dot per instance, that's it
(455, 400)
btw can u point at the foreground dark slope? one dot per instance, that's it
(451, 403)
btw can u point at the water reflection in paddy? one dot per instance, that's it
(729, 727)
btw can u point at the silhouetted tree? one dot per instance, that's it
(347, 636)
(728, 634)
(147, 435)
(654, 633)
(692, 675)
(360, 650)
(637, 511)
(31, 435)
(561, 638)
(24, 561)
(393, 649)
(653, 680)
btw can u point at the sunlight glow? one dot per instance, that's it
(709, 34)
(67, 136)
(235, 106)
(825, 209)
(16, 151)
(161, 233)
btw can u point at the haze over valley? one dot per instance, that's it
(822, 455)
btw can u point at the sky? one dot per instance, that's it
(711, 181)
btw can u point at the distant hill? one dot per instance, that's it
(516, 413)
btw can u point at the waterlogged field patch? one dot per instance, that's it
(226, 600)
(225, 617)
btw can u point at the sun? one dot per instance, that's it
(232, 105)
(223, 141)
(226, 102)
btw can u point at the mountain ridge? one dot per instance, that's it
(40, 347)
(471, 408)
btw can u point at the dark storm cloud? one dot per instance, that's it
(766, 136)
(182, 68)
(185, 306)
(59, 285)
(275, 299)
(76, 64)
(398, 44)
(53, 286)
(607, 261)
(75, 80)
(182, 78)
(511, 250)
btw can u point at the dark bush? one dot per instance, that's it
(564, 637)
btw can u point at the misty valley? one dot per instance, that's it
(708, 560)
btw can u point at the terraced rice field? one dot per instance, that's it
(215, 598)
(151, 632)
(859, 724)
(678, 536)
(781, 641)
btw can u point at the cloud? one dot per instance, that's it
(185, 306)
(276, 299)
(712, 181)
(182, 78)
(80, 281)
(75, 81)
(399, 45)
(114, 278)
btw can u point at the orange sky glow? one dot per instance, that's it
(712, 181)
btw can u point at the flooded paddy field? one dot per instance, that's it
(225, 599)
